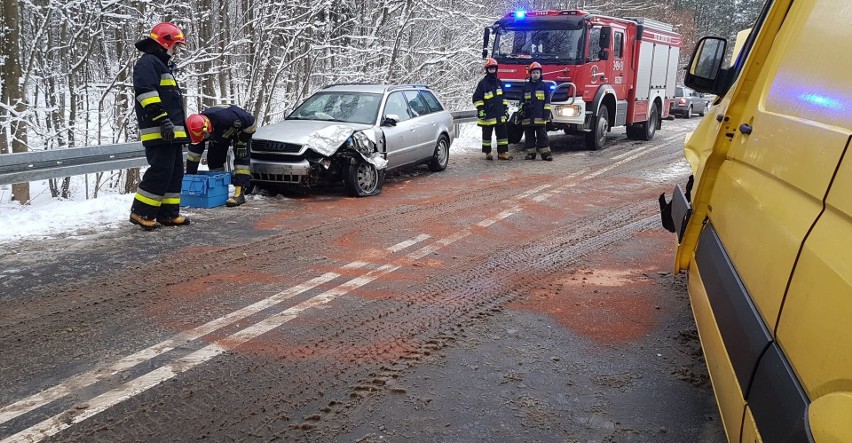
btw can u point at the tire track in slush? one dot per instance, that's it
(469, 306)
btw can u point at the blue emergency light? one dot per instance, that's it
(507, 85)
(520, 14)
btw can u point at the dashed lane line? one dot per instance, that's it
(89, 378)
(405, 244)
(96, 405)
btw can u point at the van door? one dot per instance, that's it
(784, 144)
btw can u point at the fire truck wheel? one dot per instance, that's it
(596, 138)
(649, 127)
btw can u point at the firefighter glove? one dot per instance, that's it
(506, 113)
(167, 130)
(241, 150)
(482, 114)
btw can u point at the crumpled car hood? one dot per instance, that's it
(324, 138)
(298, 131)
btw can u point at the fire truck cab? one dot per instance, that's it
(603, 71)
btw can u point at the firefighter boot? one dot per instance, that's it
(531, 154)
(545, 154)
(489, 156)
(238, 198)
(146, 223)
(174, 221)
(504, 156)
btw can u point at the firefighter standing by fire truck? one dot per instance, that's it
(222, 126)
(159, 111)
(535, 111)
(492, 112)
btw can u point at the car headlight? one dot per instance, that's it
(361, 143)
(567, 111)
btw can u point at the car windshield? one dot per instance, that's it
(678, 92)
(562, 45)
(339, 106)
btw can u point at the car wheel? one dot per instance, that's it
(363, 179)
(597, 137)
(441, 157)
(704, 109)
(689, 112)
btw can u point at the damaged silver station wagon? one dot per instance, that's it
(353, 133)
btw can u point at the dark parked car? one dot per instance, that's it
(353, 133)
(689, 102)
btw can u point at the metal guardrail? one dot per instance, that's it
(55, 163)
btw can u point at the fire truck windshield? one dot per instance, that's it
(564, 46)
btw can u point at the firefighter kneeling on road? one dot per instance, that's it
(535, 108)
(492, 112)
(222, 125)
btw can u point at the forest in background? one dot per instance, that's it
(66, 65)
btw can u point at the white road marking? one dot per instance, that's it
(402, 245)
(89, 378)
(488, 222)
(96, 405)
(426, 250)
(634, 156)
(532, 191)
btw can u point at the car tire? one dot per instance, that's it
(363, 179)
(688, 112)
(704, 109)
(596, 138)
(441, 157)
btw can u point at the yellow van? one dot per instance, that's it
(765, 233)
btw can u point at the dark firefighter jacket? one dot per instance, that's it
(489, 96)
(157, 95)
(535, 103)
(229, 121)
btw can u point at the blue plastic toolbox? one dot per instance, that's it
(206, 189)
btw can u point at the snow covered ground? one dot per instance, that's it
(48, 217)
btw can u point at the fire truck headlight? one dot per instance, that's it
(567, 111)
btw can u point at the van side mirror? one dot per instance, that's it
(606, 34)
(705, 68)
(390, 120)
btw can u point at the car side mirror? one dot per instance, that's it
(705, 68)
(390, 120)
(486, 36)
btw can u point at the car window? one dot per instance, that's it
(432, 101)
(416, 103)
(350, 107)
(397, 104)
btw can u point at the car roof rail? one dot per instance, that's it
(348, 84)
(412, 85)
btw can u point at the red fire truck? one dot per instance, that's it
(603, 71)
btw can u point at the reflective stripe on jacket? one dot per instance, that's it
(489, 96)
(537, 95)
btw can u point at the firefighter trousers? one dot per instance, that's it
(158, 195)
(218, 155)
(502, 138)
(535, 137)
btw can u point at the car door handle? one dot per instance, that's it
(745, 128)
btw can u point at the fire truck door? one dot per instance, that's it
(618, 76)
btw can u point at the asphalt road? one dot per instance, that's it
(495, 301)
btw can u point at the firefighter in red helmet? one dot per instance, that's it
(492, 112)
(222, 126)
(159, 112)
(535, 109)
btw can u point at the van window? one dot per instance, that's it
(432, 101)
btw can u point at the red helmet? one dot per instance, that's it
(490, 63)
(534, 66)
(167, 35)
(199, 127)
